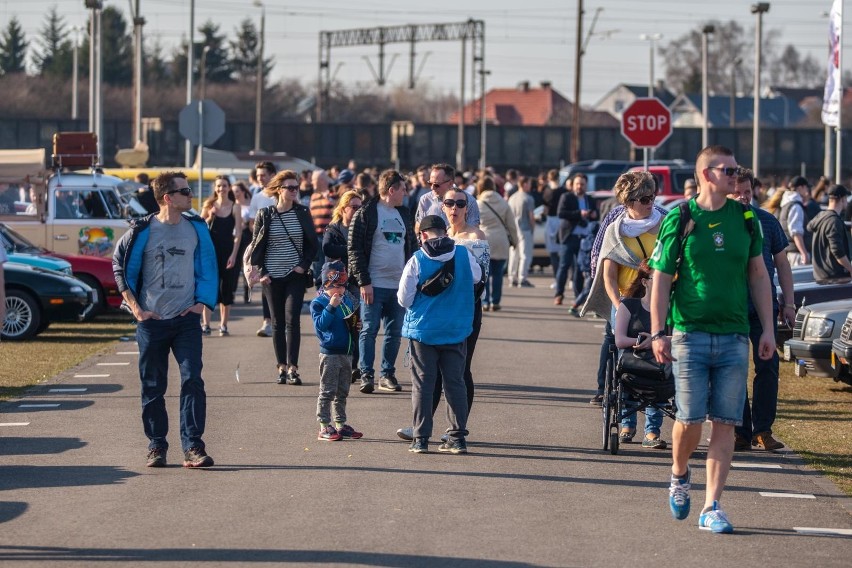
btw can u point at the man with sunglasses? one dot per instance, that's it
(441, 181)
(165, 268)
(718, 262)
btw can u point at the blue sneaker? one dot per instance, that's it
(715, 520)
(679, 496)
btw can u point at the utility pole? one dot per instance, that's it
(75, 73)
(138, 22)
(578, 59)
(705, 112)
(460, 128)
(758, 9)
(258, 105)
(189, 62)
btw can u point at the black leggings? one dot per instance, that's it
(470, 343)
(285, 297)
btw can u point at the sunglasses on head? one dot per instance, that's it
(460, 203)
(644, 200)
(183, 191)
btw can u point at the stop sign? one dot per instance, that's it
(647, 123)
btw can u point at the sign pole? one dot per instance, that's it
(838, 146)
(200, 149)
(645, 158)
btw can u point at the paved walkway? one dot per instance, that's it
(535, 489)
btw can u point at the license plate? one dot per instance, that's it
(787, 352)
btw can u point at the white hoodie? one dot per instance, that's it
(796, 215)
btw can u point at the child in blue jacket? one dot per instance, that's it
(335, 315)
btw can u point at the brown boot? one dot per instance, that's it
(765, 441)
(741, 444)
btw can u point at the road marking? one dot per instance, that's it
(814, 530)
(14, 423)
(68, 390)
(756, 465)
(127, 353)
(52, 405)
(789, 495)
(114, 364)
(90, 376)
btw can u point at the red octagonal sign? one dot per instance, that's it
(646, 123)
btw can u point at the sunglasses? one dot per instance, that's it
(730, 172)
(460, 203)
(289, 187)
(438, 183)
(644, 200)
(185, 191)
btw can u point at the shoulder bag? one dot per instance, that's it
(309, 273)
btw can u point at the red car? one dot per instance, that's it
(97, 273)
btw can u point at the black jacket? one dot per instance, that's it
(309, 237)
(334, 243)
(360, 244)
(830, 242)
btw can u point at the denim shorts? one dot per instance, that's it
(711, 372)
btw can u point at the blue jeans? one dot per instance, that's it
(710, 376)
(494, 286)
(760, 415)
(156, 338)
(384, 310)
(567, 253)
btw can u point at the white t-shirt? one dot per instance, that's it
(387, 257)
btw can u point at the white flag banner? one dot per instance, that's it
(834, 83)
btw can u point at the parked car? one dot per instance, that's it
(841, 352)
(670, 178)
(816, 326)
(96, 272)
(806, 292)
(35, 297)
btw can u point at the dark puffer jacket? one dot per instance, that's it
(360, 245)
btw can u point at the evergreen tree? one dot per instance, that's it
(217, 63)
(244, 52)
(54, 54)
(156, 68)
(117, 48)
(13, 48)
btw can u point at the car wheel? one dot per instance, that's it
(98, 296)
(23, 316)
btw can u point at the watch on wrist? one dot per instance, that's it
(658, 335)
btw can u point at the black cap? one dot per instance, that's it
(432, 222)
(797, 181)
(838, 192)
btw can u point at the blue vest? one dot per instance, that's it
(447, 318)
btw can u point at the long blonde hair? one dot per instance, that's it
(773, 203)
(343, 203)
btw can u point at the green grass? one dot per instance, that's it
(59, 347)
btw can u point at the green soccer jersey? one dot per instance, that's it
(711, 293)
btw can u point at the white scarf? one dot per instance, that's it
(632, 228)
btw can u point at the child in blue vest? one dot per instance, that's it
(335, 315)
(436, 289)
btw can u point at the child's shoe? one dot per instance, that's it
(329, 434)
(347, 431)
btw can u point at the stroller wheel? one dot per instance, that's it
(613, 443)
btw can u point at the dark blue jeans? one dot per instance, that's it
(759, 416)
(567, 253)
(494, 286)
(156, 339)
(386, 311)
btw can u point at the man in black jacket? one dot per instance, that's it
(575, 209)
(381, 240)
(830, 245)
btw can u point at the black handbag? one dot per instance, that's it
(642, 363)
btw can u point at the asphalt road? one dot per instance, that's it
(535, 490)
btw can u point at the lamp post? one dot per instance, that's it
(705, 134)
(259, 94)
(95, 67)
(733, 112)
(652, 39)
(189, 63)
(758, 9)
(75, 68)
(202, 88)
(138, 22)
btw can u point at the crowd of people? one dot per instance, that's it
(422, 256)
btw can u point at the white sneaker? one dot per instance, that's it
(265, 330)
(553, 285)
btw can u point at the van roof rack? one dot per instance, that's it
(75, 150)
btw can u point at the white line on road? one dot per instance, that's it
(789, 495)
(52, 405)
(14, 423)
(127, 353)
(814, 530)
(91, 376)
(756, 465)
(114, 364)
(68, 390)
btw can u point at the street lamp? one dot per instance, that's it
(734, 67)
(758, 9)
(705, 135)
(653, 38)
(258, 105)
(95, 70)
(75, 72)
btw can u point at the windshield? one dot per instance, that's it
(14, 242)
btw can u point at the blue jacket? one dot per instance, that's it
(447, 318)
(130, 249)
(330, 325)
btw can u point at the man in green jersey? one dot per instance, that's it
(721, 264)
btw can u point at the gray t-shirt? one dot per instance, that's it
(168, 268)
(522, 205)
(387, 259)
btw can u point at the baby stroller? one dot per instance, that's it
(647, 384)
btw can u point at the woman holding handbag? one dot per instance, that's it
(284, 245)
(501, 229)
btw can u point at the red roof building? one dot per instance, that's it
(526, 106)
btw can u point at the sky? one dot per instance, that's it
(530, 41)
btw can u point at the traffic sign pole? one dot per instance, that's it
(200, 150)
